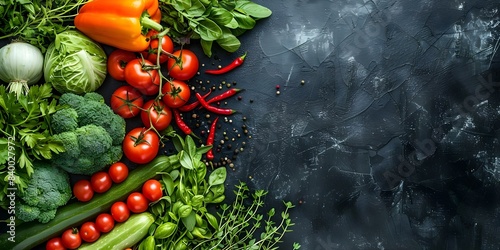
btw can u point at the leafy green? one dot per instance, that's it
(25, 134)
(36, 21)
(221, 21)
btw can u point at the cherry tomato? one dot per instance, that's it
(54, 244)
(89, 232)
(83, 190)
(137, 202)
(100, 182)
(118, 172)
(152, 190)
(104, 222)
(120, 211)
(158, 115)
(126, 101)
(176, 93)
(71, 238)
(184, 66)
(117, 61)
(140, 145)
(152, 52)
(147, 81)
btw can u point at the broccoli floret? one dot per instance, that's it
(96, 141)
(64, 120)
(88, 150)
(47, 189)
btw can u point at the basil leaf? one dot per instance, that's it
(220, 15)
(217, 177)
(197, 9)
(208, 30)
(233, 24)
(253, 9)
(229, 42)
(207, 47)
(244, 21)
(228, 4)
(181, 5)
(185, 160)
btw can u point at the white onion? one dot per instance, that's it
(21, 65)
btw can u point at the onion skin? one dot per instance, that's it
(21, 65)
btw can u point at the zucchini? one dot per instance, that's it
(123, 235)
(29, 235)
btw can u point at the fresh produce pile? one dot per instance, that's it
(75, 175)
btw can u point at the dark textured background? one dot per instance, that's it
(392, 139)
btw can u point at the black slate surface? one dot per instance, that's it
(385, 134)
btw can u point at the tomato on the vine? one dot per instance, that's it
(141, 145)
(71, 238)
(140, 74)
(100, 182)
(126, 101)
(118, 172)
(137, 202)
(120, 211)
(117, 61)
(104, 222)
(157, 114)
(89, 232)
(151, 53)
(176, 93)
(184, 65)
(54, 244)
(151, 189)
(83, 191)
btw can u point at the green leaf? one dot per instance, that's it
(212, 220)
(4, 152)
(197, 9)
(203, 149)
(208, 30)
(168, 181)
(185, 160)
(207, 47)
(217, 177)
(181, 5)
(244, 21)
(190, 146)
(197, 201)
(253, 9)
(233, 24)
(189, 221)
(220, 15)
(229, 42)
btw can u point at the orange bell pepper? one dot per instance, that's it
(119, 23)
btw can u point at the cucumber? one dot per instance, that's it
(29, 235)
(123, 235)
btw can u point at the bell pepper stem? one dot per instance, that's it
(149, 23)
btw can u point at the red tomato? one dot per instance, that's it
(152, 190)
(117, 61)
(152, 52)
(55, 244)
(118, 172)
(147, 81)
(126, 101)
(137, 202)
(175, 93)
(71, 238)
(83, 190)
(140, 145)
(104, 222)
(184, 66)
(100, 182)
(89, 232)
(158, 115)
(120, 211)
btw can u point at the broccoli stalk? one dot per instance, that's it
(90, 132)
(47, 189)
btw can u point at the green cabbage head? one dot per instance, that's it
(74, 63)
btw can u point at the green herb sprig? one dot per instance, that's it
(25, 134)
(36, 21)
(220, 21)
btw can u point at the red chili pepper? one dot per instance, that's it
(211, 138)
(193, 105)
(237, 62)
(181, 124)
(220, 111)
(224, 95)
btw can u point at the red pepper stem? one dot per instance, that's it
(149, 23)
